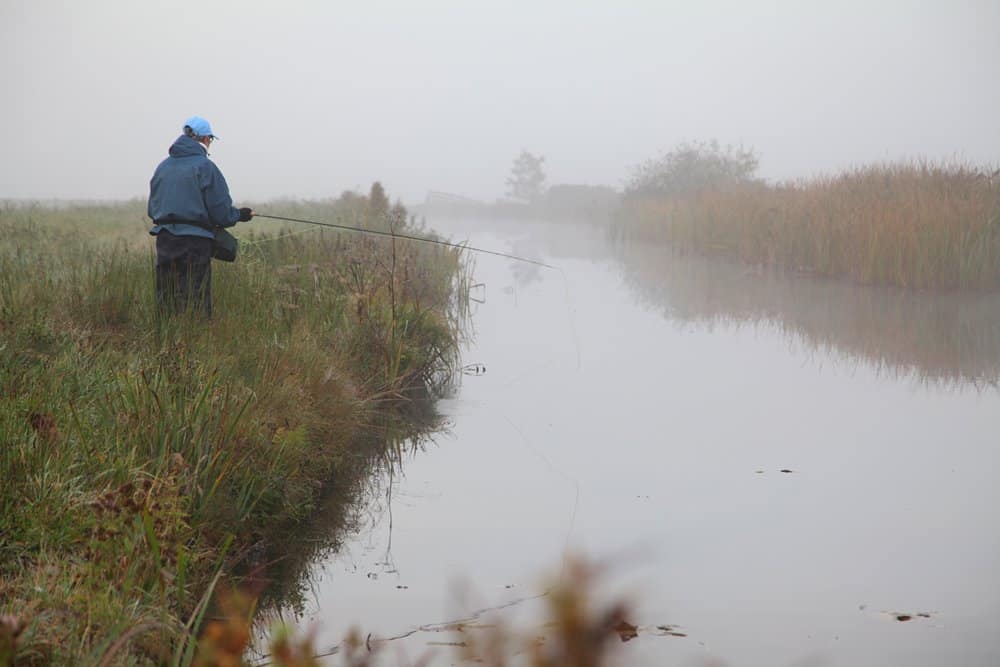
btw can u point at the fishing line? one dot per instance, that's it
(575, 482)
(448, 244)
(279, 237)
(409, 237)
(569, 314)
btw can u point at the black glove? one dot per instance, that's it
(246, 214)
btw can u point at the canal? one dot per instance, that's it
(786, 471)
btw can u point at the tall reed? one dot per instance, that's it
(917, 225)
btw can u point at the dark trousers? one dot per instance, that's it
(183, 273)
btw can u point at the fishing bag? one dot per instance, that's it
(224, 245)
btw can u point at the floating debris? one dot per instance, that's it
(670, 631)
(786, 470)
(903, 617)
(626, 631)
(402, 587)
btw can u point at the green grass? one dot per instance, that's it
(140, 454)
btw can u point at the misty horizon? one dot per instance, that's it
(313, 99)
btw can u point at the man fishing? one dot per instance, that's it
(188, 201)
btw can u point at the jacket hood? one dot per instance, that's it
(185, 146)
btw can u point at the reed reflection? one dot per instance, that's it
(358, 502)
(951, 339)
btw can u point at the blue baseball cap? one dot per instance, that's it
(199, 126)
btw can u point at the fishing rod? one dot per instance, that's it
(348, 228)
(404, 236)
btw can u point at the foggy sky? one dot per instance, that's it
(311, 98)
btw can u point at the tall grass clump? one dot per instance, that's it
(920, 225)
(142, 456)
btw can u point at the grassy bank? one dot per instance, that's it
(138, 456)
(913, 225)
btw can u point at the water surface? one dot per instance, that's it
(639, 408)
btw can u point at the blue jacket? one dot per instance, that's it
(188, 193)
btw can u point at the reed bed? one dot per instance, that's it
(918, 225)
(144, 457)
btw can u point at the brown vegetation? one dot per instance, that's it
(915, 225)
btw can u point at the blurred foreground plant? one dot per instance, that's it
(577, 630)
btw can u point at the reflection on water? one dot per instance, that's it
(358, 500)
(951, 338)
(782, 514)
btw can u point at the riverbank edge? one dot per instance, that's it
(124, 569)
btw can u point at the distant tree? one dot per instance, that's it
(378, 203)
(527, 178)
(694, 166)
(397, 216)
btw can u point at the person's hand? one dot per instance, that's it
(246, 214)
